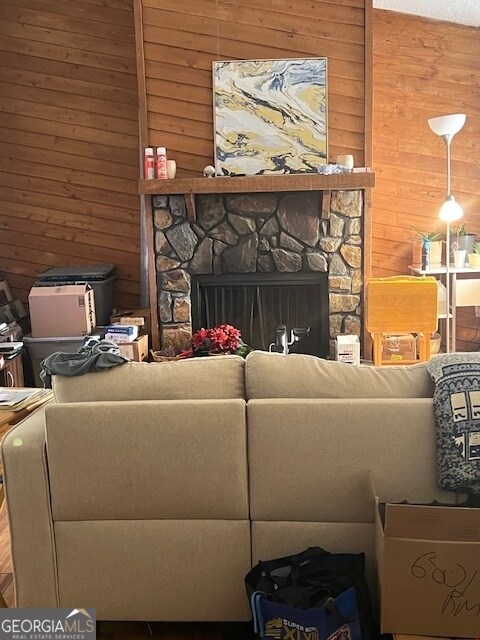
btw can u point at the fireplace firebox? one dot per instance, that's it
(258, 303)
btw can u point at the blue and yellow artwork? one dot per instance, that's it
(270, 116)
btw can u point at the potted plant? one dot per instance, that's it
(461, 239)
(435, 240)
(220, 340)
(474, 257)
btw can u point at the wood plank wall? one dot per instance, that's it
(181, 39)
(68, 140)
(422, 69)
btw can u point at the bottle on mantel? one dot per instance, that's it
(149, 164)
(161, 163)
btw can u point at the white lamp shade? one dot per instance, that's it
(447, 125)
(450, 210)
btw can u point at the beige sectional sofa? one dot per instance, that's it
(148, 491)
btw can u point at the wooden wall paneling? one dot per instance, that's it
(68, 140)
(146, 209)
(367, 345)
(181, 41)
(71, 12)
(348, 15)
(422, 69)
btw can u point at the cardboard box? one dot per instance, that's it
(142, 318)
(399, 347)
(121, 332)
(136, 350)
(428, 560)
(67, 310)
(347, 349)
(402, 636)
(133, 320)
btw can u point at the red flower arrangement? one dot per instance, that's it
(220, 339)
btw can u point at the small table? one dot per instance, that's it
(11, 370)
(9, 418)
(464, 289)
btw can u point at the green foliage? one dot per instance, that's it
(433, 236)
(476, 248)
(243, 350)
(459, 230)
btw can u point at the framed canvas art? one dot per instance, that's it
(270, 116)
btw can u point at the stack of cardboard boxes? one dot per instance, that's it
(69, 310)
(62, 315)
(129, 330)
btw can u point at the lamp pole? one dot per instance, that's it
(447, 289)
(446, 127)
(447, 138)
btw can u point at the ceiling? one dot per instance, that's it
(458, 11)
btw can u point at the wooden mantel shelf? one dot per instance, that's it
(258, 184)
(190, 187)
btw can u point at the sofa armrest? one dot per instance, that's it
(27, 494)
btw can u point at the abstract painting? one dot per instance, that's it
(270, 116)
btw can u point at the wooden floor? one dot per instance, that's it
(127, 630)
(6, 578)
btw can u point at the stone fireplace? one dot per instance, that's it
(259, 233)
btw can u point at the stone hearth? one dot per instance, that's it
(259, 232)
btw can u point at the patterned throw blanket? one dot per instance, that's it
(457, 412)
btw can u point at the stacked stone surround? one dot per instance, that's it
(258, 232)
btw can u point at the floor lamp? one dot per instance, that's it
(446, 127)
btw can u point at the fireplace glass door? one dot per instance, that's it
(259, 303)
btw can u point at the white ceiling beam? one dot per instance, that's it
(457, 11)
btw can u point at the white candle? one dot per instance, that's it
(171, 169)
(346, 161)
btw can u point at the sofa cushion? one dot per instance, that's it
(310, 460)
(146, 460)
(173, 570)
(273, 375)
(190, 379)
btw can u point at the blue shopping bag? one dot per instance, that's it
(336, 619)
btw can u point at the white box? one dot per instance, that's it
(121, 333)
(347, 349)
(119, 338)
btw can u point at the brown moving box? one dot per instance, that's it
(133, 316)
(67, 310)
(136, 350)
(399, 347)
(428, 560)
(402, 636)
